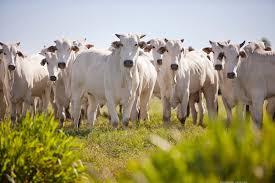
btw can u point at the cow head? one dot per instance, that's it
(82, 44)
(218, 53)
(232, 57)
(154, 46)
(174, 51)
(257, 46)
(12, 54)
(128, 45)
(51, 62)
(65, 52)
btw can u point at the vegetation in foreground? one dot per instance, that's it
(35, 151)
(148, 152)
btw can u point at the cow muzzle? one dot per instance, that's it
(174, 67)
(52, 78)
(218, 67)
(61, 65)
(11, 67)
(231, 75)
(159, 61)
(128, 63)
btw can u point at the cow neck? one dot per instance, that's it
(18, 69)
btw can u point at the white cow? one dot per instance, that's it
(3, 102)
(5, 80)
(158, 47)
(108, 77)
(30, 80)
(147, 77)
(253, 76)
(61, 74)
(226, 86)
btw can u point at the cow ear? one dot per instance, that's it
(241, 45)
(242, 54)
(117, 44)
(228, 41)
(148, 48)
(142, 36)
(17, 44)
(190, 48)
(142, 44)
(118, 36)
(182, 40)
(220, 45)
(207, 50)
(268, 49)
(75, 48)
(148, 42)
(20, 54)
(162, 50)
(51, 49)
(211, 42)
(166, 40)
(1, 44)
(1, 51)
(43, 62)
(89, 46)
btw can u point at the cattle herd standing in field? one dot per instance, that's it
(77, 79)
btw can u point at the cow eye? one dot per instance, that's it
(136, 44)
(4, 53)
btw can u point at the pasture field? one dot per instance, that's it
(106, 152)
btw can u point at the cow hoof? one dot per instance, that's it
(61, 121)
(202, 125)
(182, 120)
(125, 123)
(13, 119)
(115, 124)
(67, 114)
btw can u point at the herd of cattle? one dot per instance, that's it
(75, 77)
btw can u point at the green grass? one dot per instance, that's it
(106, 152)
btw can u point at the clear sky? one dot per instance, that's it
(36, 23)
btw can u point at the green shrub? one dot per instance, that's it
(36, 151)
(239, 153)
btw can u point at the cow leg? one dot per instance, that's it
(211, 102)
(270, 108)
(183, 107)
(135, 111)
(257, 112)
(228, 110)
(166, 110)
(127, 108)
(3, 105)
(76, 105)
(45, 100)
(18, 111)
(112, 112)
(144, 104)
(193, 109)
(92, 110)
(201, 112)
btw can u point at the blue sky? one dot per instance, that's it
(39, 22)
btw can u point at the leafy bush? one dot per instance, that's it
(240, 154)
(36, 151)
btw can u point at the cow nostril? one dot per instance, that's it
(174, 67)
(61, 65)
(231, 75)
(159, 61)
(52, 78)
(128, 63)
(218, 67)
(11, 67)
